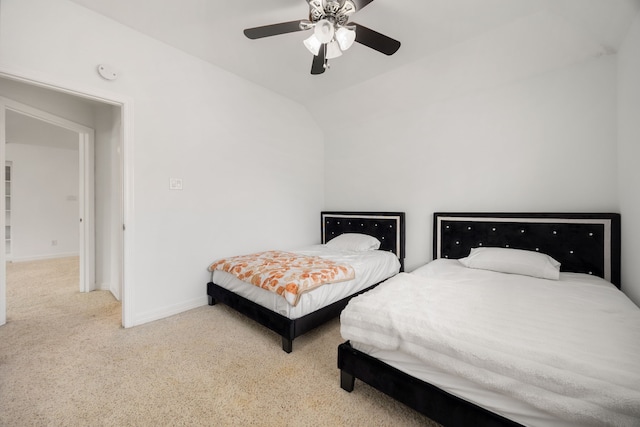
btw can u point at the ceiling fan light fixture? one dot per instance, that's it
(324, 31)
(313, 44)
(345, 38)
(333, 50)
(333, 34)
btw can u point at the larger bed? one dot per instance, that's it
(324, 302)
(494, 349)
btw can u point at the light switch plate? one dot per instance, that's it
(175, 184)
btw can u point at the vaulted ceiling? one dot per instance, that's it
(212, 31)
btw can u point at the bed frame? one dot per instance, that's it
(388, 227)
(582, 242)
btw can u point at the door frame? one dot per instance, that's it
(126, 150)
(86, 182)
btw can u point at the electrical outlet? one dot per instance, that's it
(175, 184)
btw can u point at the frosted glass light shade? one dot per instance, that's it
(333, 50)
(324, 31)
(345, 38)
(313, 44)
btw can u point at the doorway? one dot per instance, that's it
(117, 256)
(17, 114)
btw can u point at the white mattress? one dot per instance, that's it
(370, 268)
(605, 352)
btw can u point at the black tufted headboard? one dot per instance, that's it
(581, 242)
(388, 227)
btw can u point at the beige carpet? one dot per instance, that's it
(66, 361)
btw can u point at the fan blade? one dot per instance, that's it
(361, 3)
(375, 40)
(272, 30)
(317, 66)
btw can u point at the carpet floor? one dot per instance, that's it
(65, 360)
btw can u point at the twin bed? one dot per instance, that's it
(345, 242)
(466, 344)
(552, 343)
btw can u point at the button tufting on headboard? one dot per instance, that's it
(584, 243)
(387, 227)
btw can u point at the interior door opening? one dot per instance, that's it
(110, 243)
(22, 119)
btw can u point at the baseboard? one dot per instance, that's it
(169, 311)
(42, 257)
(115, 291)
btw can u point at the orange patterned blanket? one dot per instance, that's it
(285, 273)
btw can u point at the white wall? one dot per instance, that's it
(44, 201)
(629, 155)
(507, 121)
(251, 161)
(539, 143)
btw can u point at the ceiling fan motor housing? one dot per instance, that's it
(332, 7)
(337, 12)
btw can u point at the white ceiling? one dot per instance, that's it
(212, 30)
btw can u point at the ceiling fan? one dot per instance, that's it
(332, 31)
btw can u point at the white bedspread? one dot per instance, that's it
(568, 347)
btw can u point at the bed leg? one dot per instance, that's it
(287, 344)
(212, 301)
(347, 381)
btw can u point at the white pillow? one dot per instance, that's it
(354, 242)
(515, 261)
